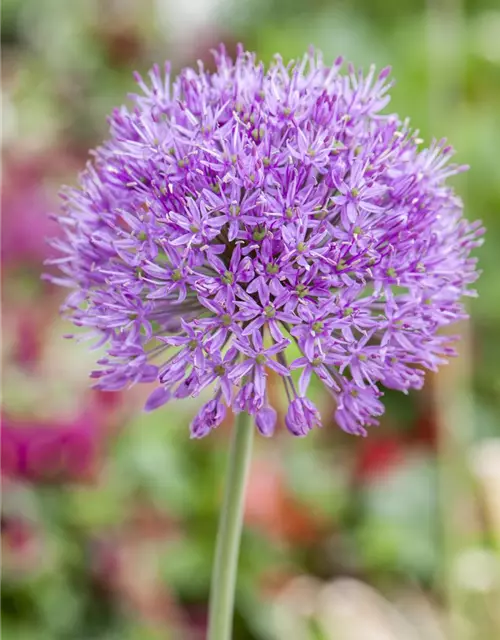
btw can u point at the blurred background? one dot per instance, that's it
(109, 515)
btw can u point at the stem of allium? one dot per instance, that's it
(229, 533)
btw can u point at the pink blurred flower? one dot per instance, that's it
(57, 451)
(125, 564)
(271, 508)
(26, 203)
(25, 325)
(37, 452)
(23, 548)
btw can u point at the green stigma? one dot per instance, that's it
(259, 234)
(272, 268)
(302, 290)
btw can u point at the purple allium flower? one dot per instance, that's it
(231, 213)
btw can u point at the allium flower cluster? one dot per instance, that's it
(233, 213)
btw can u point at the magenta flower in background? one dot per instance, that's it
(60, 449)
(41, 452)
(232, 213)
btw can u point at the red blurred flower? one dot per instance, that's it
(376, 456)
(425, 430)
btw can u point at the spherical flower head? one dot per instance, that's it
(232, 213)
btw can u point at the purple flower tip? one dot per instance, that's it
(384, 73)
(265, 420)
(158, 398)
(232, 212)
(302, 416)
(209, 417)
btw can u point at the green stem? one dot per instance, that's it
(229, 533)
